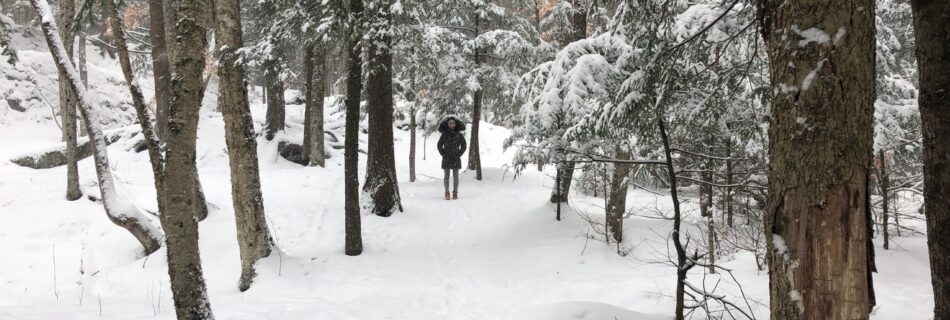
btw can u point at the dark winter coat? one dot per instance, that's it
(452, 143)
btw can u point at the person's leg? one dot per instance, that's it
(445, 180)
(455, 174)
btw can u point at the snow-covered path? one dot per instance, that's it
(496, 253)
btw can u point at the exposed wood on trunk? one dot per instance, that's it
(820, 136)
(931, 18)
(354, 87)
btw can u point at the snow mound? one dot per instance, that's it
(583, 310)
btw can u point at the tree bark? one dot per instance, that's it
(275, 99)
(315, 73)
(931, 18)
(820, 139)
(883, 183)
(381, 183)
(412, 142)
(253, 236)
(474, 156)
(354, 87)
(67, 104)
(565, 172)
(120, 211)
(180, 181)
(161, 70)
(617, 203)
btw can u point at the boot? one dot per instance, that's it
(455, 195)
(446, 196)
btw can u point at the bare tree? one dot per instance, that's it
(822, 60)
(252, 232)
(931, 19)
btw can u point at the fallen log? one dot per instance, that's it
(56, 155)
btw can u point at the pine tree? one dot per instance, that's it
(354, 87)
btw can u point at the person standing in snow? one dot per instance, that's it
(451, 146)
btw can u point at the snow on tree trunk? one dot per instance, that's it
(354, 87)
(381, 184)
(931, 19)
(119, 210)
(820, 140)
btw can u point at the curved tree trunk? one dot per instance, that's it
(931, 18)
(252, 233)
(381, 184)
(354, 87)
(820, 139)
(180, 181)
(119, 210)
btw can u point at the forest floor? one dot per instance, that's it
(496, 253)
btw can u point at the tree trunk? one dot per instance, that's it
(160, 66)
(683, 262)
(381, 183)
(565, 172)
(253, 236)
(275, 99)
(820, 136)
(617, 205)
(729, 182)
(883, 182)
(354, 87)
(316, 75)
(178, 220)
(931, 18)
(474, 156)
(67, 104)
(705, 209)
(412, 143)
(120, 211)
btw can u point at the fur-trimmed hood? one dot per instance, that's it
(444, 124)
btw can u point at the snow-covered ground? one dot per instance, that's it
(496, 253)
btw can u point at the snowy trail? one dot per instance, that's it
(496, 253)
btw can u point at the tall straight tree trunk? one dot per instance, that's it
(474, 155)
(120, 211)
(179, 219)
(412, 142)
(883, 183)
(315, 73)
(354, 87)
(931, 18)
(67, 104)
(161, 70)
(253, 236)
(729, 179)
(381, 184)
(820, 137)
(275, 99)
(617, 203)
